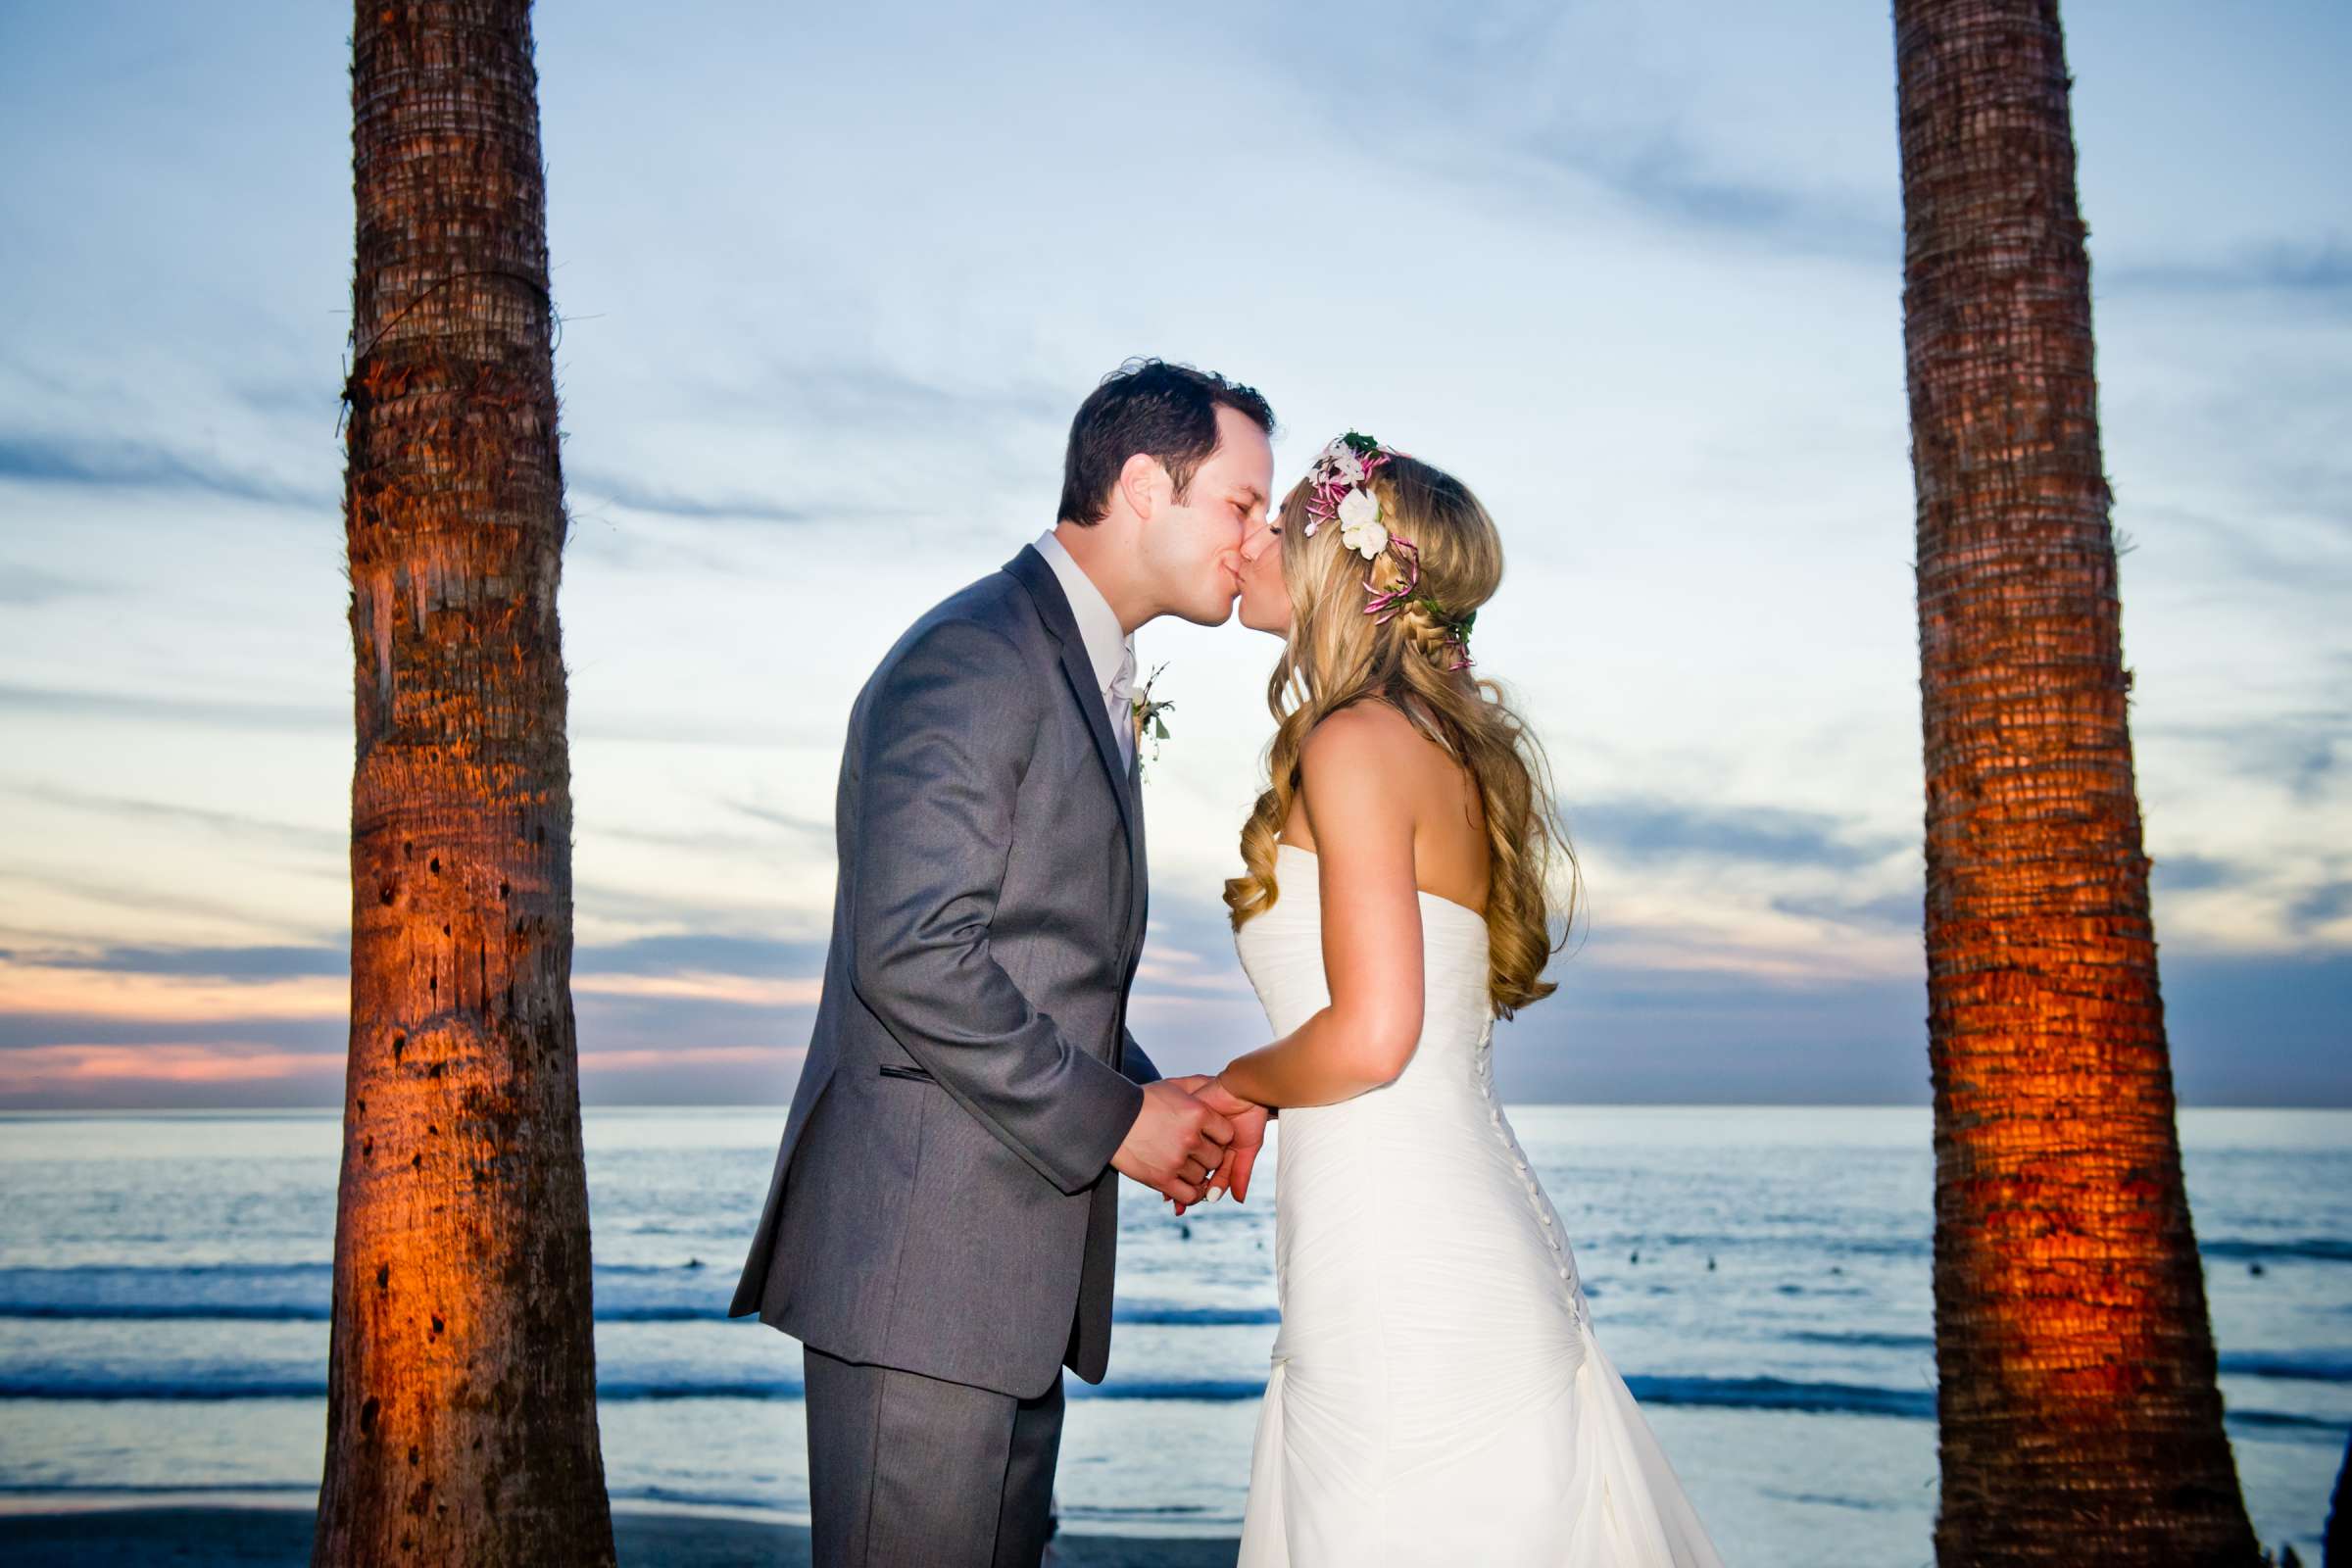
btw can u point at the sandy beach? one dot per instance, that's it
(280, 1537)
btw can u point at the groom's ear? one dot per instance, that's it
(1144, 486)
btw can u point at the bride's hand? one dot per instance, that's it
(1248, 1120)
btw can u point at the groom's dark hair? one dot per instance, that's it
(1164, 410)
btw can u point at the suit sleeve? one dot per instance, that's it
(1135, 1065)
(949, 732)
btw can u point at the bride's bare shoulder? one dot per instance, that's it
(1348, 772)
(1367, 728)
(1366, 764)
(1361, 731)
(1368, 751)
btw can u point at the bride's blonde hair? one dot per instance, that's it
(1337, 655)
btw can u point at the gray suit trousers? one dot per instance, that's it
(907, 1470)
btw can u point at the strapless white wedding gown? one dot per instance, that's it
(1437, 1393)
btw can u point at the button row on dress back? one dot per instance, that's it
(1484, 1072)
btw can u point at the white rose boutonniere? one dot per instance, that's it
(1145, 710)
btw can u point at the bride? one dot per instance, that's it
(1437, 1393)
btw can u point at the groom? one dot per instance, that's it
(941, 1221)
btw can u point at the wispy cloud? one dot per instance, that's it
(784, 819)
(1189, 954)
(815, 444)
(28, 586)
(58, 1071)
(1626, 1034)
(193, 962)
(697, 731)
(125, 891)
(755, 957)
(2281, 565)
(163, 995)
(2305, 750)
(2315, 272)
(871, 397)
(32, 1028)
(259, 715)
(210, 713)
(2189, 873)
(706, 986)
(113, 461)
(2323, 906)
(1641, 829)
(237, 824)
(1665, 178)
(638, 496)
(1902, 911)
(620, 966)
(711, 839)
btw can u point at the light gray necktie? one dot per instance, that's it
(1123, 708)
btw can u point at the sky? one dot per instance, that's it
(832, 282)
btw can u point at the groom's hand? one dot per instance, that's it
(1249, 1119)
(1175, 1144)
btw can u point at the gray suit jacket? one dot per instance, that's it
(942, 1199)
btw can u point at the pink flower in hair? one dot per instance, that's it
(1334, 482)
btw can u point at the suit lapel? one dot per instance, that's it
(1029, 568)
(1143, 871)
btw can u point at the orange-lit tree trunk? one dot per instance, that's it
(460, 1419)
(2078, 1417)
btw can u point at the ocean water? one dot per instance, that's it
(1760, 1275)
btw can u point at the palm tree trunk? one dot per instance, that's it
(460, 1419)
(2078, 1418)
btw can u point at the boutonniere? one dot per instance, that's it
(1145, 710)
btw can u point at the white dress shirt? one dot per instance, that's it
(1107, 648)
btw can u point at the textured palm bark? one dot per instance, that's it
(2078, 1418)
(461, 1423)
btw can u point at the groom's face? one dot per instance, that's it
(1194, 545)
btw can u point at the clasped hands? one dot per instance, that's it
(1194, 1139)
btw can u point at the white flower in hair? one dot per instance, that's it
(1344, 465)
(1360, 529)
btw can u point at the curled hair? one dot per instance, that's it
(1337, 655)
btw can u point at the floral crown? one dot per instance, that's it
(1338, 492)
